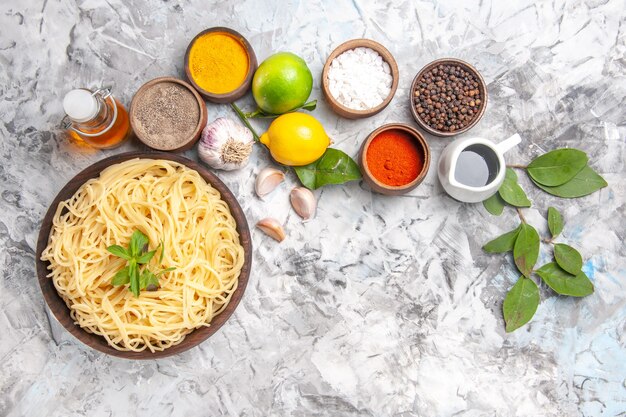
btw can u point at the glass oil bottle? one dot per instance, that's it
(96, 118)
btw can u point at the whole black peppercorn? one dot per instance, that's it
(447, 97)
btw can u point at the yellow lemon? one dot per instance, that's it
(296, 139)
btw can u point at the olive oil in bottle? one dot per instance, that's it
(96, 118)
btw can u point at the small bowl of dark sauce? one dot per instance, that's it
(473, 169)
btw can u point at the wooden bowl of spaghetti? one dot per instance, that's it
(204, 236)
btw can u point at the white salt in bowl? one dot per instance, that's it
(347, 112)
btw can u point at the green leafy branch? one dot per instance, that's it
(563, 173)
(260, 114)
(244, 120)
(333, 167)
(136, 272)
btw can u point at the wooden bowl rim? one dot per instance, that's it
(383, 52)
(481, 85)
(417, 136)
(252, 66)
(193, 138)
(60, 310)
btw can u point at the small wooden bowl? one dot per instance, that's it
(185, 143)
(481, 86)
(347, 112)
(378, 186)
(56, 303)
(239, 91)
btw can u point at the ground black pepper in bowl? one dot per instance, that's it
(448, 97)
(167, 114)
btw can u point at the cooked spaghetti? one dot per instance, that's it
(168, 202)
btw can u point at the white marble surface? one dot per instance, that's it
(379, 306)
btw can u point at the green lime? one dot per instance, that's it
(281, 83)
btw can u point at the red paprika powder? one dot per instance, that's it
(393, 158)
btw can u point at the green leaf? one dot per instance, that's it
(242, 117)
(555, 222)
(137, 254)
(121, 277)
(260, 114)
(511, 192)
(565, 283)
(152, 284)
(135, 281)
(520, 303)
(171, 268)
(119, 251)
(144, 278)
(503, 243)
(526, 249)
(146, 257)
(309, 106)
(162, 247)
(137, 243)
(584, 183)
(494, 204)
(557, 167)
(568, 258)
(149, 281)
(334, 167)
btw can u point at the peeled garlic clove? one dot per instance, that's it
(303, 202)
(272, 228)
(267, 180)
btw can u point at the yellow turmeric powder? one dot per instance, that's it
(218, 62)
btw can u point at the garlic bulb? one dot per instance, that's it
(225, 144)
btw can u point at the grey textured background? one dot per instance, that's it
(379, 306)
